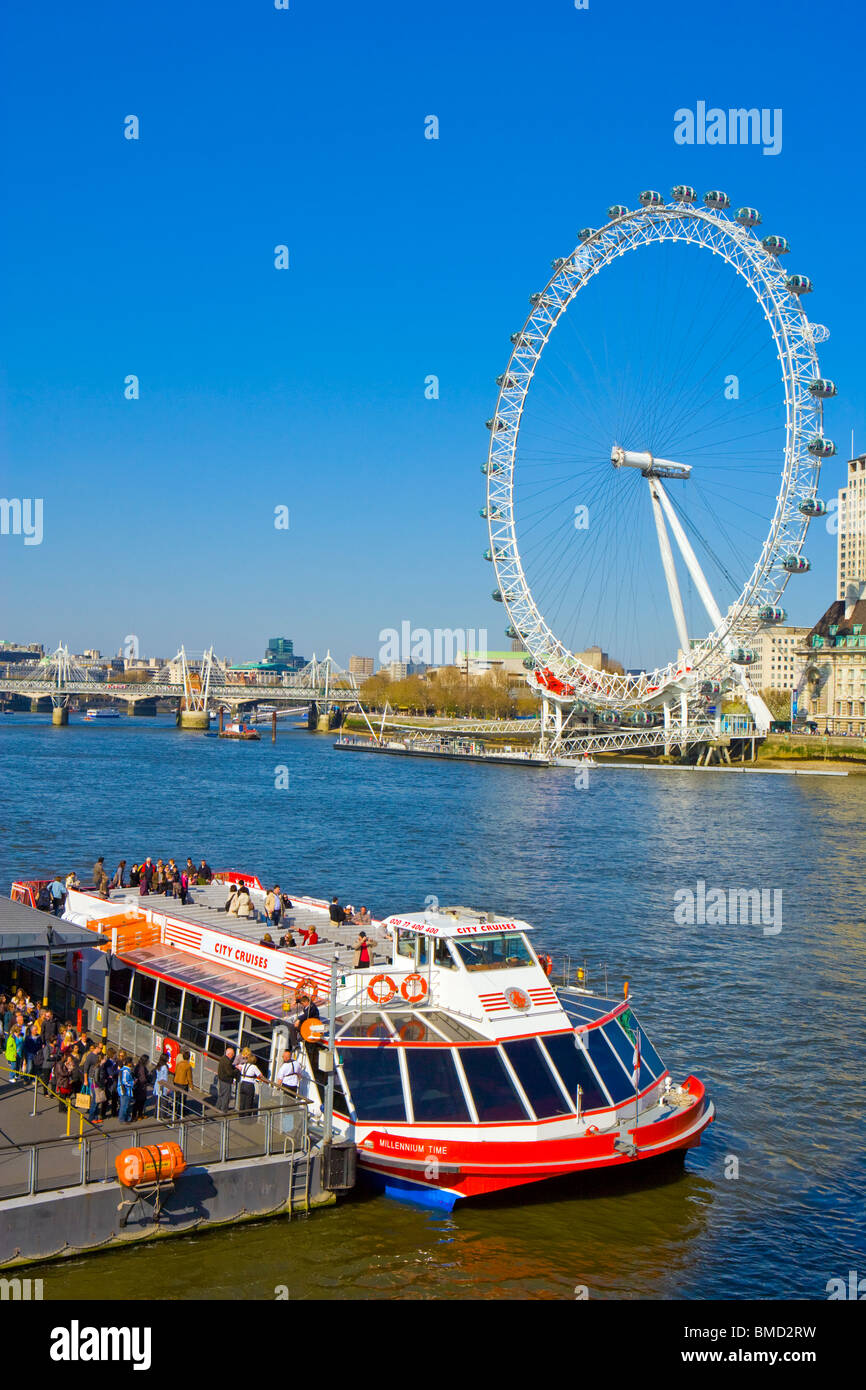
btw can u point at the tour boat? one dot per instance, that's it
(459, 1063)
(238, 730)
(101, 712)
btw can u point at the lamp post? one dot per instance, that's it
(332, 1039)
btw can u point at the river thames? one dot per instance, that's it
(772, 1205)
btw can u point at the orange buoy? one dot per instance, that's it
(413, 988)
(150, 1163)
(312, 1030)
(381, 989)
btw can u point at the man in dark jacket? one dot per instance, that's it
(98, 870)
(227, 1074)
(49, 1027)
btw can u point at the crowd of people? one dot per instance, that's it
(70, 1064)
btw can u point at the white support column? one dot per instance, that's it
(669, 568)
(690, 558)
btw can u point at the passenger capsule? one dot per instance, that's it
(799, 284)
(769, 614)
(813, 506)
(511, 632)
(506, 382)
(539, 298)
(496, 596)
(642, 719)
(585, 233)
(742, 656)
(821, 448)
(490, 467)
(795, 564)
(560, 261)
(776, 245)
(709, 688)
(608, 716)
(748, 217)
(822, 388)
(490, 513)
(683, 193)
(495, 554)
(528, 662)
(496, 425)
(618, 210)
(716, 200)
(649, 199)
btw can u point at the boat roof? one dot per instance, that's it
(206, 908)
(213, 981)
(454, 921)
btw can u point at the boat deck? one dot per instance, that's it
(206, 908)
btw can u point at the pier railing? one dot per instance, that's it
(206, 1136)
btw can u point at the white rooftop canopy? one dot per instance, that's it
(454, 921)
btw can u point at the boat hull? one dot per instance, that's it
(439, 1173)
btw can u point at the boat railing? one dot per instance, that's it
(87, 1155)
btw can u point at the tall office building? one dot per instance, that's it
(851, 560)
(361, 666)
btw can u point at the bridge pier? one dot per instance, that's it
(60, 715)
(136, 707)
(196, 719)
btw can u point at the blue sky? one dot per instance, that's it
(408, 257)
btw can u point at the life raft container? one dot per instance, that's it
(148, 1164)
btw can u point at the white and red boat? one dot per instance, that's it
(466, 1071)
(459, 1067)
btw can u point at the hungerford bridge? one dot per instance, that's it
(323, 687)
(197, 686)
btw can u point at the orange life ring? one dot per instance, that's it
(306, 987)
(414, 996)
(547, 965)
(376, 995)
(413, 1031)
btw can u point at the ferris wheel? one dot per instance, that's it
(679, 399)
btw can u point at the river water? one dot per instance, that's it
(772, 1205)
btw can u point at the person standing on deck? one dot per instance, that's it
(141, 1076)
(55, 888)
(336, 913)
(98, 869)
(248, 1090)
(119, 873)
(183, 1077)
(227, 1075)
(362, 951)
(125, 1087)
(204, 873)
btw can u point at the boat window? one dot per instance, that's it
(499, 951)
(375, 1084)
(629, 1022)
(623, 1046)
(226, 1023)
(407, 942)
(607, 1066)
(441, 954)
(491, 1086)
(143, 990)
(168, 1002)
(534, 1075)
(367, 1025)
(196, 1012)
(118, 990)
(575, 1071)
(257, 1035)
(436, 1090)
